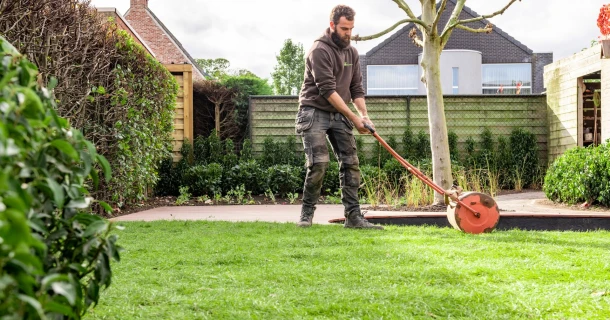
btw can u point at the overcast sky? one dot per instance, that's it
(250, 33)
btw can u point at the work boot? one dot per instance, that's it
(306, 217)
(355, 219)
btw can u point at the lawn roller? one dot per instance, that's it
(471, 212)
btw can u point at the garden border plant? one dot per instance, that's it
(54, 255)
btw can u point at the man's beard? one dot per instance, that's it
(340, 42)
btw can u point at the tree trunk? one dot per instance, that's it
(217, 117)
(441, 163)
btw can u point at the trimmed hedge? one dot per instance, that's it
(580, 175)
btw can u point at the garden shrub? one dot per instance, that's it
(408, 144)
(245, 153)
(283, 178)
(580, 175)
(203, 179)
(169, 178)
(201, 150)
(55, 257)
(214, 147)
(422, 146)
(524, 156)
(470, 158)
(249, 173)
(229, 158)
(394, 171)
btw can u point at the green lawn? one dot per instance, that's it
(222, 270)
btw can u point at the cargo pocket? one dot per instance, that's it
(304, 119)
(351, 138)
(348, 122)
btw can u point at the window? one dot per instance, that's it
(456, 80)
(513, 78)
(392, 79)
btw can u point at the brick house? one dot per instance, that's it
(167, 49)
(471, 63)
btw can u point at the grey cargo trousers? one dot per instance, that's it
(314, 126)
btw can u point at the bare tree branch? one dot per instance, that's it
(454, 22)
(487, 29)
(501, 11)
(439, 12)
(379, 34)
(405, 7)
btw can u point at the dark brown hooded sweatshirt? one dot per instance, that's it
(329, 69)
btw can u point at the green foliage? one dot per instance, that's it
(204, 179)
(580, 175)
(470, 158)
(394, 171)
(408, 144)
(453, 146)
(290, 69)
(245, 153)
(54, 258)
(201, 150)
(283, 179)
(214, 147)
(170, 178)
(217, 68)
(524, 152)
(276, 152)
(247, 173)
(245, 86)
(144, 93)
(230, 158)
(487, 143)
(422, 146)
(184, 196)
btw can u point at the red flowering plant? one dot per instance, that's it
(603, 22)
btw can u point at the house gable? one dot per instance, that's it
(167, 48)
(124, 25)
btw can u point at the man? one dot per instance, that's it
(332, 79)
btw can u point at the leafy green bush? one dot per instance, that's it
(245, 153)
(422, 146)
(215, 148)
(247, 173)
(408, 144)
(54, 258)
(394, 170)
(283, 178)
(277, 152)
(580, 175)
(524, 160)
(230, 158)
(201, 150)
(203, 179)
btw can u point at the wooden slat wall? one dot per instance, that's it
(183, 116)
(605, 111)
(466, 115)
(561, 83)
